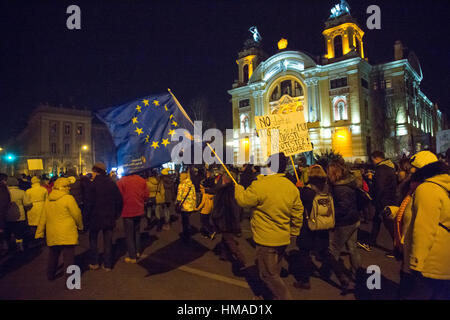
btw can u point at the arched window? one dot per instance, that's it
(340, 108)
(358, 46)
(338, 46)
(286, 88)
(298, 91)
(245, 125)
(246, 73)
(275, 95)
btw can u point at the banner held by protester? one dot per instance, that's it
(286, 133)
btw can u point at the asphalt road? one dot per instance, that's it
(176, 271)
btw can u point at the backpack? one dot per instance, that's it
(321, 216)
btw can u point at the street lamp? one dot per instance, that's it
(83, 148)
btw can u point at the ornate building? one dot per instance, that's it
(351, 106)
(64, 139)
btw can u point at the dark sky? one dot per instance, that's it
(129, 49)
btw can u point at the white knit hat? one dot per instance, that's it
(423, 158)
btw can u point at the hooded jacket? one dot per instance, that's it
(37, 195)
(156, 189)
(186, 193)
(104, 203)
(277, 209)
(169, 188)
(345, 201)
(19, 200)
(384, 185)
(60, 219)
(427, 242)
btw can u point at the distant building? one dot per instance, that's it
(351, 106)
(64, 139)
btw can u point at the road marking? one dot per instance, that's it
(204, 274)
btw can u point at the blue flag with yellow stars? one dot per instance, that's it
(142, 130)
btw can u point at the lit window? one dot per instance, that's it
(245, 125)
(340, 108)
(80, 130)
(286, 87)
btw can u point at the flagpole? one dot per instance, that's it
(293, 165)
(187, 117)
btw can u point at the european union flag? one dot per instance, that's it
(142, 130)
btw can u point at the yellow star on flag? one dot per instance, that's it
(138, 108)
(146, 138)
(174, 123)
(135, 120)
(145, 101)
(165, 142)
(171, 132)
(156, 103)
(165, 107)
(155, 144)
(138, 131)
(171, 116)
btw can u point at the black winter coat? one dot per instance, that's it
(5, 200)
(226, 212)
(384, 186)
(345, 201)
(103, 203)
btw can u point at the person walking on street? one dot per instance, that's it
(207, 187)
(16, 221)
(156, 189)
(277, 216)
(170, 194)
(60, 222)
(5, 200)
(384, 194)
(345, 233)
(103, 206)
(319, 219)
(37, 195)
(134, 193)
(426, 232)
(187, 202)
(226, 218)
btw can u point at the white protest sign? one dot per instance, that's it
(286, 133)
(442, 141)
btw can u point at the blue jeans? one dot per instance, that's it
(107, 247)
(346, 236)
(133, 235)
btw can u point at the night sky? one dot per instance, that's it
(129, 49)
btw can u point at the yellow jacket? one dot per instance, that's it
(37, 195)
(426, 242)
(277, 209)
(60, 219)
(156, 189)
(207, 204)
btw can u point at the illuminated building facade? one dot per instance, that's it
(64, 138)
(351, 106)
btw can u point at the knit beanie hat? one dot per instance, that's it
(35, 180)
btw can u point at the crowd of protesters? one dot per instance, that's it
(321, 205)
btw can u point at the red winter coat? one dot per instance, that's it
(135, 193)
